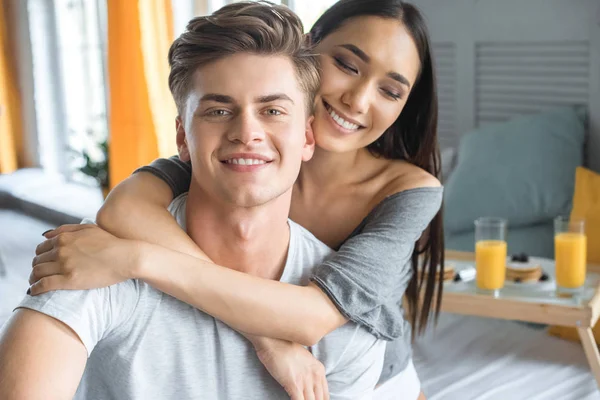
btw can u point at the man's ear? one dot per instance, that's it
(182, 146)
(309, 144)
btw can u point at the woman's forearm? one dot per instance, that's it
(248, 304)
(137, 210)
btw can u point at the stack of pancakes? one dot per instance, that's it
(521, 270)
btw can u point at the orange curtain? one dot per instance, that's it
(142, 111)
(10, 101)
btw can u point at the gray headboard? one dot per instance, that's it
(500, 58)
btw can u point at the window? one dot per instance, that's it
(68, 44)
(308, 10)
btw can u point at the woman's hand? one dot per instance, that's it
(79, 257)
(300, 374)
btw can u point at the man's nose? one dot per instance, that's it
(246, 129)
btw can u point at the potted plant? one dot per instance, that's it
(97, 169)
(90, 157)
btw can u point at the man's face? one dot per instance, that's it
(245, 129)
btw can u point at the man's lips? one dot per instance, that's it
(246, 162)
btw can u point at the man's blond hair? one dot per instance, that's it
(260, 28)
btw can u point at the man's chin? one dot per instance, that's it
(249, 199)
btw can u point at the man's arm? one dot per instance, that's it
(40, 358)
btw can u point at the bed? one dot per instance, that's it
(497, 60)
(478, 358)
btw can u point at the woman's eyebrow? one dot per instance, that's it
(358, 52)
(399, 78)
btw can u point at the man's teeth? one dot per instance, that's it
(245, 161)
(342, 122)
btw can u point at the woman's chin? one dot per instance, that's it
(333, 144)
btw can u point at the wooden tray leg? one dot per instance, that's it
(591, 351)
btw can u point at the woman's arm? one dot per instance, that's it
(137, 209)
(252, 305)
(365, 279)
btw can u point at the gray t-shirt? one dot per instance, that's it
(368, 276)
(144, 344)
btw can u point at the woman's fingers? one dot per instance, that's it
(47, 256)
(56, 240)
(43, 270)
(47, 284)
(309, 390)
(66, 228)
(44, 247)
(296, 395)
(324, 388)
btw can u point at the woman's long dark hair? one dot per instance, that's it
(413, 137)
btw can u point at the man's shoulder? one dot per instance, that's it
(122, 293)
(311, 249)
(306, 238)
(89, 313)
(177, 209)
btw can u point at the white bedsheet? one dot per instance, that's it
(487, 359)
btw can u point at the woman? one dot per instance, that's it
(370, 185)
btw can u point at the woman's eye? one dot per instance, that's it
(340, 63)
(393, 95)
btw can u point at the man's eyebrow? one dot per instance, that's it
(363, 56)
(272, 97)
(219, 98)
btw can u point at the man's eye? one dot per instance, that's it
(218, 113)
(273, 112)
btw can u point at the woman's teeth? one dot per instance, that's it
(245, 161)
(342, 122)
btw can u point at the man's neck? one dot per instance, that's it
(250, 240)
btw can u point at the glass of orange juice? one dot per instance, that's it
(490, 254)
(570, 254)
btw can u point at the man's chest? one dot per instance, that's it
(171, 350)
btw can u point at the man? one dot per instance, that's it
(243, 85)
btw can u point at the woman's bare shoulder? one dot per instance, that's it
(406, 176)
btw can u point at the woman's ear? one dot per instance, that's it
(182, 146)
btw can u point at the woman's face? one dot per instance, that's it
(369, 66)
